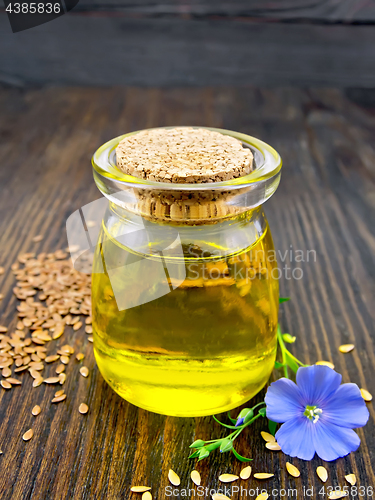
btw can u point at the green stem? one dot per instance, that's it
(283, 350)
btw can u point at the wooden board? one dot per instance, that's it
(327, 11)
(102, 49)
(325, 203)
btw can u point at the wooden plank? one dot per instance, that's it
(324, 203)
(102, 50)
(327, 11)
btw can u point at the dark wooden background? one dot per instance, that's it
(326, 202)
(196, 42)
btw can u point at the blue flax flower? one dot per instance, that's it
(318, 414)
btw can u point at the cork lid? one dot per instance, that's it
(183, 155)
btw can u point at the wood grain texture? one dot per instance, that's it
(326, 203)
(100, 49)
(286, 10)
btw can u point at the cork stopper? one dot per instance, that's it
(183, 155)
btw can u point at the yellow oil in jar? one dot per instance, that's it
(207, 346)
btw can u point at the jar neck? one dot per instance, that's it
(141, 235)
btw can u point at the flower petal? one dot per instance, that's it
(295, 438)
(317, 383)
(332, 441)
(346, 407)
(283, 400)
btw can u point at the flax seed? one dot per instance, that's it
(173, 478)
(292, 469)
(346, 348)
(52, 380)
(77, 326)
(83, 408)
(58, 399)
(28, 435)
(268, 437)
(37, 382)
(228, 478)
(322, 473)
(84, 371)
(52, 358)
(195, 477)
(36, 410)
(14, 381)
(245, 473)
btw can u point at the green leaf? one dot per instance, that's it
(197, 444)
(195, 454)
(226, 445)
(203, 453)
(240, 457)
(290, 362)
(283, 299)
(233, 420)
(278, 365)
(288, 338)
(263, 412)
(272, 426)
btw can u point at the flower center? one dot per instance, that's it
(313, 413)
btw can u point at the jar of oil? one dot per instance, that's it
(185, 301)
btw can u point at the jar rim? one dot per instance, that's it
(267, 159)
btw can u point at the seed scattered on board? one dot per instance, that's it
(273, 446)
(83, 408)
(219, 496)
(245, 473)
(140, 489)
(366, 395)
(322, 473)
(36, 410)
(351, 479)
(262, 496)
(37, 238)
(5, 384)
(195, 477)
(228, 478)
(344, 348)
(84, 371)
(58, 399)
(268, 437)
(28, 435)
(173, 478)
(337, 494)
(326, 363)
(52, 380)
(292, 469)
(263, 475)
(147, 496)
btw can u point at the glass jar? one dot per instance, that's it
(185, 287)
